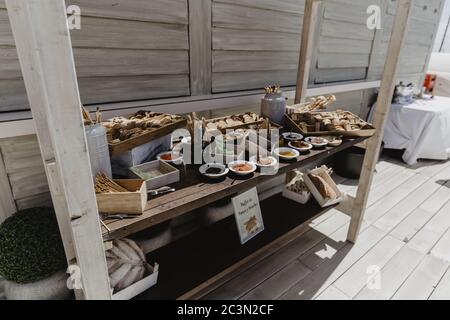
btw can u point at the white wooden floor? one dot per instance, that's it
(403, 251)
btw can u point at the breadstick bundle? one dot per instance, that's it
(103, 184)
(315, 104)
(272, 89)
(320, 103)
(87, 120)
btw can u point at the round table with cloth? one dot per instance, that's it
(421, 128)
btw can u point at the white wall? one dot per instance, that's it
(439, 62)
(441, 32)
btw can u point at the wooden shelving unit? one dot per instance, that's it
(45, 52)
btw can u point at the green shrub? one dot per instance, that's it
(31, 248)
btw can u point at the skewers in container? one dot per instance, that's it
(120, 196)
(103, 184)
(315, 104)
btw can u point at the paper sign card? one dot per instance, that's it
(248, 215)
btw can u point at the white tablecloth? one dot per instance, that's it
(421, 128)
(442, 84)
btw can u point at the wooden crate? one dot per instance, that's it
(317, 195)
(169, 174)
(347, 134)
(132, 202)
(123, 146)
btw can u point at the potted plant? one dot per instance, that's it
(32, 258)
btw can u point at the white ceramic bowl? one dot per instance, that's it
(322, 144)
(305, 149)
(177, 158)
(273, 164)
(240, 162)
(292, 136)
(334, 141)
(278, 152)
(207, 166)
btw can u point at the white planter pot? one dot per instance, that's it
(51, 288)
(2, 289)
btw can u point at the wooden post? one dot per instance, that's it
(382, 111)
(45, 52)
(310, 18)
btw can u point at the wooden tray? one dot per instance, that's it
(241, 126)
(346, 134)
(132, 202)
(169, 174)
(244, 126)
(123, 146)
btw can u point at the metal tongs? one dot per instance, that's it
(121, 216)
(161, 191)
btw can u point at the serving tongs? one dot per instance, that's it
(121, 216)
(161, 191)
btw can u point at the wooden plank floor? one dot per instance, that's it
(403, 251)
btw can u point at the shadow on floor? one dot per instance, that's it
(349, 183)
(323, 260)
(296, 272)
(444, 183)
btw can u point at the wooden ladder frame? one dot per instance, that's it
(356, 207)
(44, 47)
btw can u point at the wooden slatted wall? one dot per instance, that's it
(23, 169)
(345, 44)
(415, 55)
(134, 49)
(255, 43)
(125, 50)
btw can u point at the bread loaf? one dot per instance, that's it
(126, 264)
(323, 187)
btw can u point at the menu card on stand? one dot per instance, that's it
(248, 215)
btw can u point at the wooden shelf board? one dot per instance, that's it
(193, 193)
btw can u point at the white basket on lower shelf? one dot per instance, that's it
(296, 189)
(302, 197)
(323, 202)
(140, 286)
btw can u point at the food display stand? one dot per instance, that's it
(45, 52)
